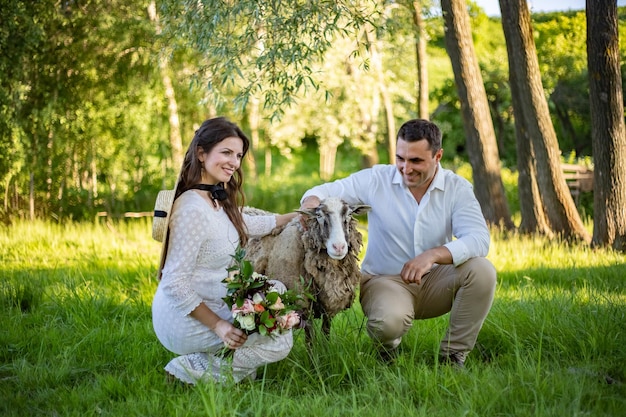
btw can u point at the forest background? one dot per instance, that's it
(99, 98)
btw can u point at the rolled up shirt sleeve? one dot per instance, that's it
(469, 228)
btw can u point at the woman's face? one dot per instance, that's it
(221, 163)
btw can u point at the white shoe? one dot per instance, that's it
(195, 367)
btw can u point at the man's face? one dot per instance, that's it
(416, 163)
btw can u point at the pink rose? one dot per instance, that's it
(289, 320)
(278, 305)
(246, 308)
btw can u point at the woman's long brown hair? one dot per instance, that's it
(209, 134)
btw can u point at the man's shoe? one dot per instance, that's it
(388, 356)
(456, 360)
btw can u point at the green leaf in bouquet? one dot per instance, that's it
(271, 297)
(269, 322)
(234, 285)
(257, 284)
(247, 269)
(264, 316)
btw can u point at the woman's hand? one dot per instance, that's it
(231, 336)
(283, 219)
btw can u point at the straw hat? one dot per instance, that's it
(162, 212)
(161, 222)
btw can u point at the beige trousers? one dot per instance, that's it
(466, 291)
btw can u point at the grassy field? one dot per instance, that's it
(76, 339)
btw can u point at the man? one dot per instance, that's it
(413, 268)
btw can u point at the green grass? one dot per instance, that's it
(76, 339)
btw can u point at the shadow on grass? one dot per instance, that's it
(86, 336)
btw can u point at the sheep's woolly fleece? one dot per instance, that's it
(291, 252)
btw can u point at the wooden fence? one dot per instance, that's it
(579, 179)
(128, 214)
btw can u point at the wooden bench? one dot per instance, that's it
(579, 179)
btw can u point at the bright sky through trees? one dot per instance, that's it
(492, 7)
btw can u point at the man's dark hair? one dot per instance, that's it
(420, 129)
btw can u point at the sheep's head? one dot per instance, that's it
(331, 220)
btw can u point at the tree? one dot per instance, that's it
(374, 46)
(176, 142)
(480, 136)
(346, 111)
(560, 44)
(270, 51)
(79, 74)
(421, 39)
(295, 35)
(538, 150)
(607, 124)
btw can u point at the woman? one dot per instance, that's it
(205, 227)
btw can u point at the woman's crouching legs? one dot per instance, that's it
(266, 350)
(206, 367)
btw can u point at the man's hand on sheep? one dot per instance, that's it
(308, 203)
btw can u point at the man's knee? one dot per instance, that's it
(482, 273)
(389, 327)
(388, 305)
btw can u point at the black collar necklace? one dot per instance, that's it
(216, 191)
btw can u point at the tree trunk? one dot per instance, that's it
(176, 141)
(31, 196)
(422, 60)
(268, 156)
(328, 153)
(391, 126)
(607, 124)
(534, 219)
(94, 175)
(482, 147)
(369, 110)
(6, 193)
(388, 105)
(528, 95)
(254, 119)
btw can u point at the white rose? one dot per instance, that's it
(257, 298)
(246, 321)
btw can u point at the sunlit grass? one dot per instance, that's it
(77, 339)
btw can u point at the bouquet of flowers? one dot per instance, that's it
(257, 306)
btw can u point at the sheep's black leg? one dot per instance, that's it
(309, 334)
(309, 337)
(326, 325)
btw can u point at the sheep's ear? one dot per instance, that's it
(359, 209)
(307, 212)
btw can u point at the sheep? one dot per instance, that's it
(321, 261)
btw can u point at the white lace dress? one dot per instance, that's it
(202, 240)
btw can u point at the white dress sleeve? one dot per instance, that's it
(259, 225)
